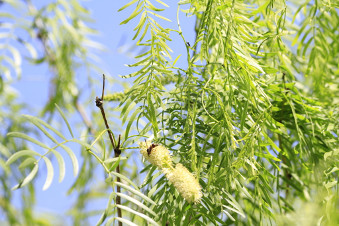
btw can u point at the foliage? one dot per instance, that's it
(250, 108)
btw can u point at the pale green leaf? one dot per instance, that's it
(131, 120)
(4, 150)
(28, 138)
(126, 179)
(127, 222)
(161, 17)
(48, 126)
(27, 162)
(147, 218)
(27, 179)
(136, 202)
(73, 159)
(164, 4)
(134, 14)
(21, 153)
(61, 162)
(110, 160)
(37, 124)
(136, 192)
(128, 4)
(50, 173)
(64, 117)
(229, 215)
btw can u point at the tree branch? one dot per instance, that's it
(117, 151)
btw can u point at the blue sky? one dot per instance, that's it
(33, 85)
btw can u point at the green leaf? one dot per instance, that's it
(64, 117)
(122, 220)
(126, 109)
(26, 137)
(27, 179)
(34, 121)
(147, 218)
(6, 168)
(142, 206)
(115, 164)
(152, 114)
(161, 17)
(110, 160)
(235, 204)
(150, 6)
(97, 138)
(73, 159)
(19, 154)
(333, 153)
(17, 59)
(128, 4)
(48, 126)
(30, 49)
(136, 192)
(140, 24)
(164, 4)
(330, 184)
(61, 162)
(84, 144)
(131, 120)
(143, 34)
(27, 162)
(176, 59)
(123, 177)
(4, 150)
(228, 214)
(134, 14)
(106, 212)
(102, 218)
(50, 173)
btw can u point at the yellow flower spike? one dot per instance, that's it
(186, 184)
(182, 179)
(156, 154)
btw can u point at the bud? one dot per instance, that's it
(156, 154)
(186, 184)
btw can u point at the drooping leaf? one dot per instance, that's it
(65, 120)
(28, 178)
(50, 173)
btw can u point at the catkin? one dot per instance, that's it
(183, 180)
(186, 184)
(159, 156)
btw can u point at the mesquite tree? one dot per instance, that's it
(238, 127)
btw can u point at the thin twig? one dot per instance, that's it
(100, 104)
(84, 117)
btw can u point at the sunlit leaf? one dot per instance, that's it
(27, 179)
(64, 117)
(50, 173)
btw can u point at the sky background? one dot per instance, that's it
(117, 39)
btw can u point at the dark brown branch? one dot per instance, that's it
(100, 104)
(117, 153)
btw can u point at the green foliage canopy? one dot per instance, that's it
(253, 114)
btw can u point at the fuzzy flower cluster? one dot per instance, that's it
(186, 184)
(158, 156)
(183, 180)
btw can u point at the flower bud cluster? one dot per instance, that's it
(183, 180)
